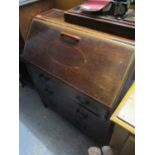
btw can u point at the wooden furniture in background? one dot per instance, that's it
(122, 27)
(124, 115)
(123, 138)
(122, 141)
(27, 12)
(66, 4)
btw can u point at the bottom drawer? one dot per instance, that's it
(96, 127)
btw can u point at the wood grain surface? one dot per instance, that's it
(97, 64)
(122, 27)
(28, 12)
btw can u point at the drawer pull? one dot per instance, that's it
(65, 34)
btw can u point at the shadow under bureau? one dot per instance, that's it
(79, 72)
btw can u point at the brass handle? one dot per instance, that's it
(65, 34)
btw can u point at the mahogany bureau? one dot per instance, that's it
(79, 72)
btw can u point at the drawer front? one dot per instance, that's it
(96, 127)
(92, 64)
(91, 105)
(42, 80)
(81, 99)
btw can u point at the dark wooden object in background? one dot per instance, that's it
(122, 27)
(26, 13)
(29, 11)
(89, 61)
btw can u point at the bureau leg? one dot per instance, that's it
(42, 99)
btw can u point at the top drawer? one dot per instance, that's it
(91, 63)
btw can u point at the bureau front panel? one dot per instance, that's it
(95, 65)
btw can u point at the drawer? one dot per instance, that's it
(93, 106)
(95, 126)
(68, 109)
(41, 79)
(83, 100)
(37, 76)
(91, 63)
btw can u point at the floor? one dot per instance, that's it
(44, 132)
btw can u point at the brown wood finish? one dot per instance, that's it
(97, 64)
(122, 141)
(66, 4)
(129, 146)
(27, 12)
(58, 17)
(122, 27)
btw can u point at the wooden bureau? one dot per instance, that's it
(81, 73)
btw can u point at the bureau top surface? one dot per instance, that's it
(94, 63)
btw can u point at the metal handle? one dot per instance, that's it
(65, 34)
